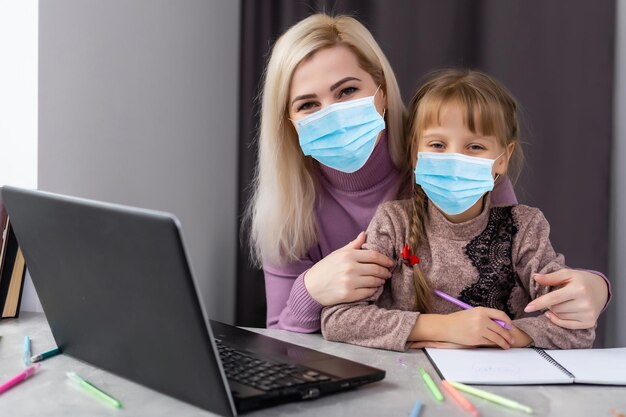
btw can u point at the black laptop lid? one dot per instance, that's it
(117, 291)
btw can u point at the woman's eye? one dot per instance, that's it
(306, 106)
(347, 91)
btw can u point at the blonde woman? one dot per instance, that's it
(332, 147)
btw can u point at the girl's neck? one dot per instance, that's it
(468, 214)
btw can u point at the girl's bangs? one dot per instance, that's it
(482, 116)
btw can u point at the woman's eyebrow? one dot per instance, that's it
(303, 97)
(332, 88)
(343, 80)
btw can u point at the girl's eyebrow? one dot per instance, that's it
(489, 138)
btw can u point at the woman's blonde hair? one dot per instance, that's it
(490, 110)
(281, 210)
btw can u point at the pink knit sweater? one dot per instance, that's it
(488, 261)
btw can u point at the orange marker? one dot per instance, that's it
(459, 398)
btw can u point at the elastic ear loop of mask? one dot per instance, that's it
(494, 161)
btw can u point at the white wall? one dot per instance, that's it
(138, 105)
(18, 104)
(616, 319)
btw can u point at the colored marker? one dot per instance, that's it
(431, 385)
(460, 399)
(416, 409)
(93, 390)
(26, 354)
(26, 373)
(466, 306)
(497, 399)
(45, 355)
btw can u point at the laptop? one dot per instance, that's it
(118, 292)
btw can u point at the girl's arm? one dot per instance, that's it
(365, 323)
(533, 254)
(467, 328)
(583, 294)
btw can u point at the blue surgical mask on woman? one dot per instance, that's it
(454, 182)
(342, 135)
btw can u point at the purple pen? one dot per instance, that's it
(466, 306)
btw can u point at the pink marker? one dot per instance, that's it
(466, 306)
(28, 372)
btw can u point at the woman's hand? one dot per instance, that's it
(475, 327)
(577, 303)
(348, 274)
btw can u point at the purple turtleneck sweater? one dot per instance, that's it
(345, 205)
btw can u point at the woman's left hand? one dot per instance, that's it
(577, 303)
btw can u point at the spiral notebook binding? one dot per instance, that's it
(549, 358)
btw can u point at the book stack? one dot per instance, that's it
(12, 269)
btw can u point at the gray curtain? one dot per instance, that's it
(555, 56)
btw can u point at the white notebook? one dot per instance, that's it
(531, 366)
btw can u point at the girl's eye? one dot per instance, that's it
(347, 91)
(306, 106)
(437, 145)
(476, 148)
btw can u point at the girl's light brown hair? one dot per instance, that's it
(490, 110)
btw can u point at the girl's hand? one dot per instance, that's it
(475, 327)
(438, 345)
(579, 301)
(348, 274)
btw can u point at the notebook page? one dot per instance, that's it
(594, 366)
(496, 366)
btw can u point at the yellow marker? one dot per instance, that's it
(492, 397)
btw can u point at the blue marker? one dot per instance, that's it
(416, 409)
(26, 355)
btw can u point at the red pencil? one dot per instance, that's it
(459, 398)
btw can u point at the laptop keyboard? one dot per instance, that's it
(262, 374)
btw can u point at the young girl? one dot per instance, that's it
(450, 237)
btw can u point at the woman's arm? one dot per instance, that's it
(289, 304)
(297, 292)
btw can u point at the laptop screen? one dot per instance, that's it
(118, 292)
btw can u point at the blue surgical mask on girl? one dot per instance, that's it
(454, 182)
(342, 135)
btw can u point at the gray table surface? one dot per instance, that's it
(50, 393)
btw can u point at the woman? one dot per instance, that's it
(332, 147)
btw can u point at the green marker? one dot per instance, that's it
(93, 390)
(431, 385)
(486, 395)
(45, 355)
